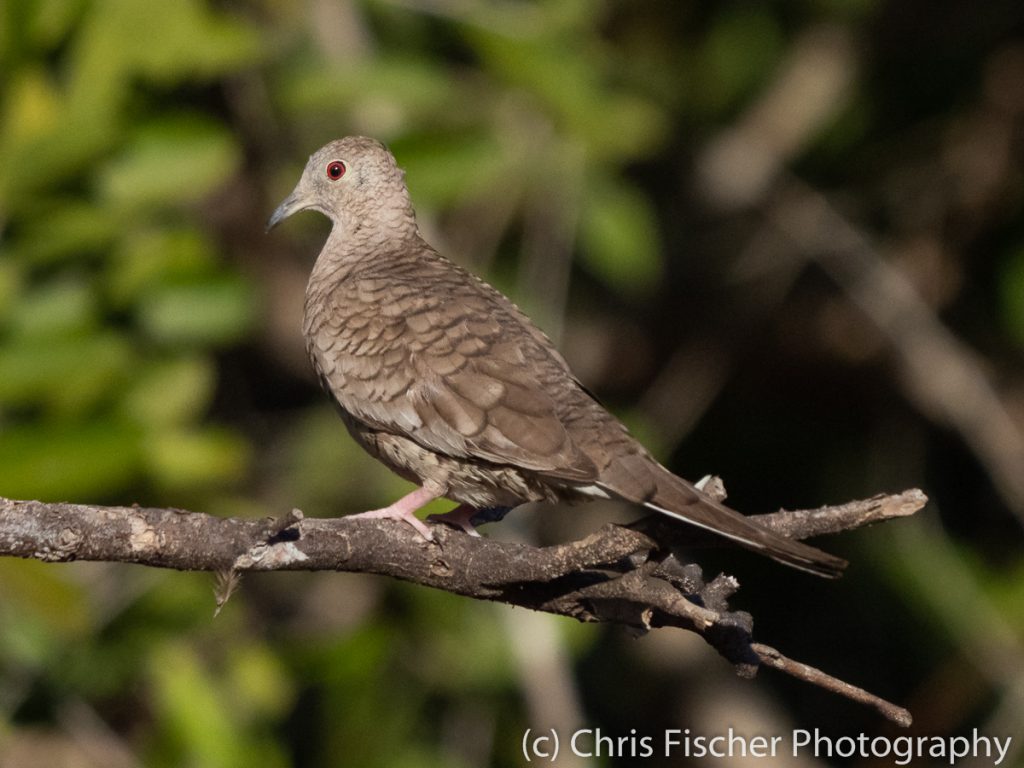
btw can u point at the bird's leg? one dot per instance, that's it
(467, 517)
(404, 508)
(460, 517)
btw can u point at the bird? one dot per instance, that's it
(446, 381)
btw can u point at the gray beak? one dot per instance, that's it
(291, 204)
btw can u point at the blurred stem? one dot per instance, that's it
(549, 237)
(942, 376)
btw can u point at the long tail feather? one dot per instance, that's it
(753, 537)
(679, 499)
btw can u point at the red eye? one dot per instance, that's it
(335, 170)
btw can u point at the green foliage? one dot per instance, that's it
(77, 460)
(739, 53)
(111, 288)
(621, 238)
(115, 295)
(172, 161)
(204, 712)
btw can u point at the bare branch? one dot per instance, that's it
(618, 574)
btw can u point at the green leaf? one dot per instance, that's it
(81, 462)
(65, 230)
(52, 20)
(739, 54)
(172, 161)
(69, 375)
(184, 460)
(170, 42)
(56, 308)
(444, 170)
(201, 312)
(170, 392)
(43, 139)
(388, 92)
(191, 709)
(260, 685)
(45, 595)
(148, 257)
(620, 237)
(570, 81)
(31, 105)
(165, 42)
(30, 112)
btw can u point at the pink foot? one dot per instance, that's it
(460, 517)
(403, 509)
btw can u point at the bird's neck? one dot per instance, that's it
(355, 243)
(355, 231)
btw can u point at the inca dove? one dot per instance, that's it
(448, 383)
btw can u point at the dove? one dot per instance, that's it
(447, 382)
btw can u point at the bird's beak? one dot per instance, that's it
(291, 204)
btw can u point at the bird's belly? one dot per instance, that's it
(467, 481)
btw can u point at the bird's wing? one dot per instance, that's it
(452, 367)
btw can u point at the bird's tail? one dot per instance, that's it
(679, 499)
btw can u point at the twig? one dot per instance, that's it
(776, 660)
(624, 575)
(800, 524)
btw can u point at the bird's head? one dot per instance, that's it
(355, 182)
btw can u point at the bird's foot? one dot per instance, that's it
(460, 517)
(403, 509)
(387, 513)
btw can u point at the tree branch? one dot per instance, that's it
(621, 574)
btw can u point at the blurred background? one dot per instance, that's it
(784, 241)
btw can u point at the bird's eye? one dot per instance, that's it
(335, 170)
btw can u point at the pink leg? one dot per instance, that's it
(459, 517)
(403, 510)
